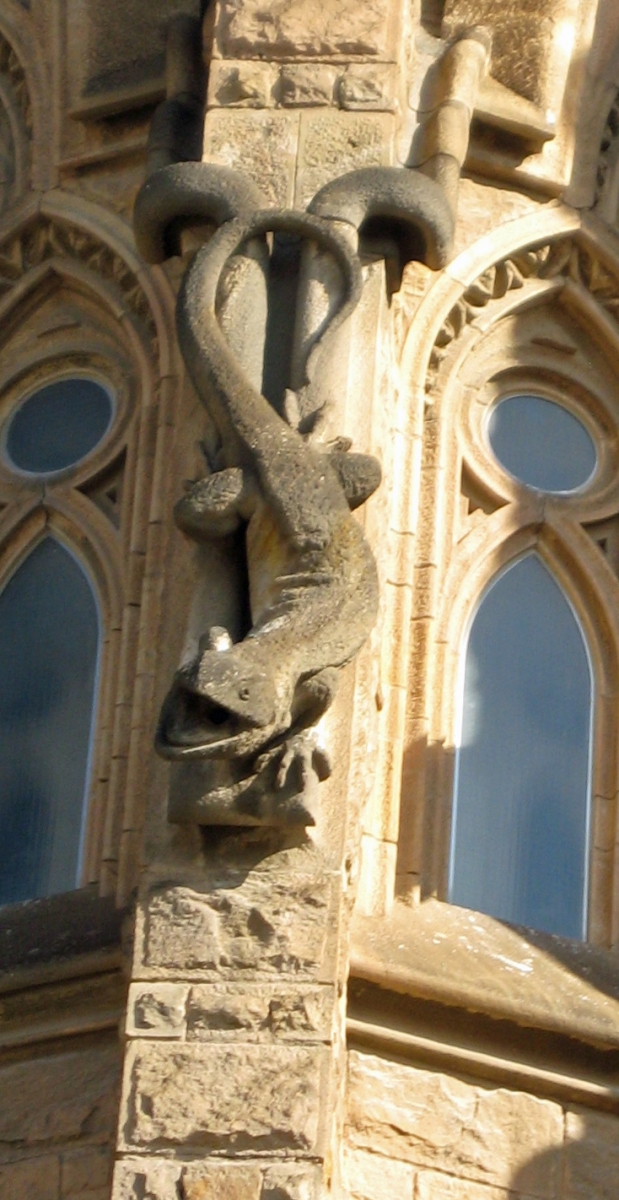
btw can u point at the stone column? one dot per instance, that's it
(235, 1019)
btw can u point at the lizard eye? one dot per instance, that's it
(244, 693)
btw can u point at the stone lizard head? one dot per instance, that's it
(222, 704)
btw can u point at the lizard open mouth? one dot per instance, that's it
(191, 721)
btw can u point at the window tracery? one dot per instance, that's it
(542, 322)
(15, 126)
(76, 319)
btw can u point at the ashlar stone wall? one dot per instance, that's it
(425, 1135)
(235, 1083)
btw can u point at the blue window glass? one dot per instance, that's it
(541, 444)
(58, 425)
(521, 813)
(49, 647)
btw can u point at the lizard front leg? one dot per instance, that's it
(216, 505)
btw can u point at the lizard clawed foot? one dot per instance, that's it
(301, 765)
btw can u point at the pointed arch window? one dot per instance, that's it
(520, 840)
(53, 440)
(520, 827)
(49, 649)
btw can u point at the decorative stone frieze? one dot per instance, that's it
(563, 258)
(41, 240)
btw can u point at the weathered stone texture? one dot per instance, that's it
(370, 1176)
(59, 1097)
(262, 1013)
(145, 1179)
(224, 1098)
(522, 38)
(166, 1179)
(31, 1179)
(289, 1182)
(242, 84)
(157, 1010)
(482, 209)
(304, 86)
(334, 142)
(592, 1156)
(433, 1186)
(86, 1173)
(273, 925)
(221, 1183)
(305, 27)
(367, 86)
(262, 145)
(433, 1120)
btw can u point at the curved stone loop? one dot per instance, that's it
(253, 435)
(180, 193)
(410, 205)
(230, 239)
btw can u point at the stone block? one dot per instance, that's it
(259, 1013)
(221, 1183)
(307, 86)
(138, 1178)
(156, 1010)
(305, 28)
(261, 144)
(145, 1179)
(31, 1179)
(488, 1135)
(369, 1176)
(288, 1182)
(273, 925)
(367, 86)
(232, 1099)
(433, 1186)
(334, 142)
(592, 1156)
(242, 84)
(59, 1097)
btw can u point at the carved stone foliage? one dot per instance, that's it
(564, 258)
(238, 718)
(15, 125)
(46, 239)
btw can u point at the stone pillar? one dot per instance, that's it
(235, 1020)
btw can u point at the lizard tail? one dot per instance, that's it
(302, 489)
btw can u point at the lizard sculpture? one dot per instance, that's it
(312, 579)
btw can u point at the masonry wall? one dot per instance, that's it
(233, 1048)
(426, 1134)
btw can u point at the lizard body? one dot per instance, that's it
(312, 577)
